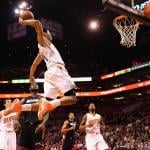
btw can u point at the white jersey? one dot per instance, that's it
(7, 133)
(94, 139)
(50, 55)
(7, 122)
(96, 127)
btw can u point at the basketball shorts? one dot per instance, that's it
(95, 141)
(7, 140)
(68, 145)
(56, 81)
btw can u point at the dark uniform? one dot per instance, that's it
(30, 121)
(69, 140)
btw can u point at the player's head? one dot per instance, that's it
(71, 116)
(47, 34)
(7, 103)
(92, 107)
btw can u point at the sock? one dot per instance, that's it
(26, 107)
(55, 103)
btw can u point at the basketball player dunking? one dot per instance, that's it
(91, 124)
(56, 78)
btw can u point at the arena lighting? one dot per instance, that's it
(117, 73)
(88, 94)
(144, 65)
(3, 82)
(124, 71)
(23, 5)
(93, 25)
(116, 90)
(22, 95)
(20, 81)
(82, 79)
(17, 11)
(39, 80)
(139, 94)
(117, 85)
(119, 98)
(75, 79)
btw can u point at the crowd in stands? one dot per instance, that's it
(127, 125)
(124, 130)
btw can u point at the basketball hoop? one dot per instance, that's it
(127, 27)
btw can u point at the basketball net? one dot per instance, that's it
(127, 27)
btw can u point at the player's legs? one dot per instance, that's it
(57, 82)
(18, 107)
(50, 90)
(2, 140)
(66, 86)
(12, 141)
(67, 145)
(91, 147)
(101, 145)
(90, 142)
(26, 140)
(21, 148)
(45, 106)
(7, 140)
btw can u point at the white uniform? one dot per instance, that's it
(7, 133)
(94, 139)
(57, 80)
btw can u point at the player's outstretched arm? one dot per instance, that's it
(36, 24)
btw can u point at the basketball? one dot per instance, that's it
(147, 10)
(25, 15)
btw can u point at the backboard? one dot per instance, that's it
(123, 7)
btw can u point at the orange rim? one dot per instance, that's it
(122, 17)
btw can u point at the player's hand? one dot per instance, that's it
(33, 82)
(73, 127)
(91, 123)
